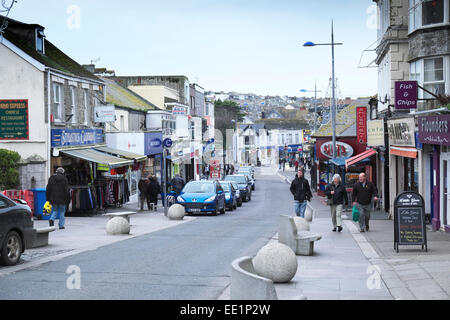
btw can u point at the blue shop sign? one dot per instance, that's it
(153, 143)
(76, 137)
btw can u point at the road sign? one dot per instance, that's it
(168, 143)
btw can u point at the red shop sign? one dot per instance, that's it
(361, 125)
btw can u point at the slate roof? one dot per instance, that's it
(17, 32)
(124, 98)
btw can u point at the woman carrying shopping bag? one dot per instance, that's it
(337, 197)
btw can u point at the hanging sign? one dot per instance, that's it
(361, 124)
(344, 150)
(104, 114)
(406, 94)
(14, 120)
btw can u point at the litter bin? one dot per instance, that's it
(39, 201)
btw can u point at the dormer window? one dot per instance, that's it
(40, 36)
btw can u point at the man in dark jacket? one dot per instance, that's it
(177, 183)
(58, 194)
(302, 193)
(153, 190)
(143, 193)
(363, 192)
(336, 192)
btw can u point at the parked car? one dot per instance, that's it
(244, 185)
(247, 169)
(230, 195)
(16, 230)
(238, 193)
(203, 197)
(249, 176)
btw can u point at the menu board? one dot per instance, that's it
(410, 226)
(14, 120)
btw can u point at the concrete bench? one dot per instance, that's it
(247, 285)
(125, 215)
(310, 213)
(41, 239)
(301, 242)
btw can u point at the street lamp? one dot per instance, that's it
(333, 112)
(315, 104)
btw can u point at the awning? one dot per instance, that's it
(98, 157)
(339, 161)
(122, 154)
(360, 157)
(407, 152)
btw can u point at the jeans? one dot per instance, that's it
(336, 212)
(61, 210)
(300, 208)
(364, 214)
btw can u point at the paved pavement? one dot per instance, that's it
(411, 274)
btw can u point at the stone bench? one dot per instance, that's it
(310, 213)
(247, 285)
(125, 215)
(41, 239)
(301, 242)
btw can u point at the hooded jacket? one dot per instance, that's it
(58, 191)
(300, 189)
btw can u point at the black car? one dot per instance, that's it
(16, 230)
(244, 184)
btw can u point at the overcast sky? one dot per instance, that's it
(230, 45)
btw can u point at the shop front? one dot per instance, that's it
(403, 158)
(434, 135)
(98, 175)
(327, 166)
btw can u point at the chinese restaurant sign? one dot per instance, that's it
(435, 129)
(14, 120)
(406, 94)
(361, 124)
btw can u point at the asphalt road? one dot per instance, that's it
(189, 262)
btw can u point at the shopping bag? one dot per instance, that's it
(47, 209)
(355, 214)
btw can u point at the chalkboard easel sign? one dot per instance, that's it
(409, 220)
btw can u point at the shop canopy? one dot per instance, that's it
(122, 154)
(95, 156)
(339, 161)
(360, 157)
(407, 152)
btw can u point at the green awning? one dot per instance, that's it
(122, 154)
(98, 157)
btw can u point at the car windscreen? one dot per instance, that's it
(199, 187)
(226, 187)
(238, 179)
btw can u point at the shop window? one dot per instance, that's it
(57, 104)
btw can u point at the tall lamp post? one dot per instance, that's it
(315, 104)
(333, 107)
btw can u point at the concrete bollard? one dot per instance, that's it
(117, 225)
(176, 212)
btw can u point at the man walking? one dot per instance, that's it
(177, 184)
(302, 193)
(363, 192)
(143, 190)
(58, 194)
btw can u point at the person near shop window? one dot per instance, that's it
(337, 197)
(58, 194)
(363, 193)
(154, 189)
(143, 193)
(301, 191)
(177, 184)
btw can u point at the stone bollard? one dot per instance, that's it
(117, 225)
(176, 212)
(276, 262)
(301, 223)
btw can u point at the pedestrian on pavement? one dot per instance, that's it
(296, 163)
(177, 183)
(58, 194)
(284, 164)
(154, 189)
(337, 196)
(143, 193)
(363, 193)
(301, 191)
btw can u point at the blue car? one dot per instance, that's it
(230, 195)
(203, 197)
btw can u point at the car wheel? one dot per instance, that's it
(11, 249)
(222, 211)
(239, 203)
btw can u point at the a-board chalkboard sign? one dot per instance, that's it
(409, 220)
